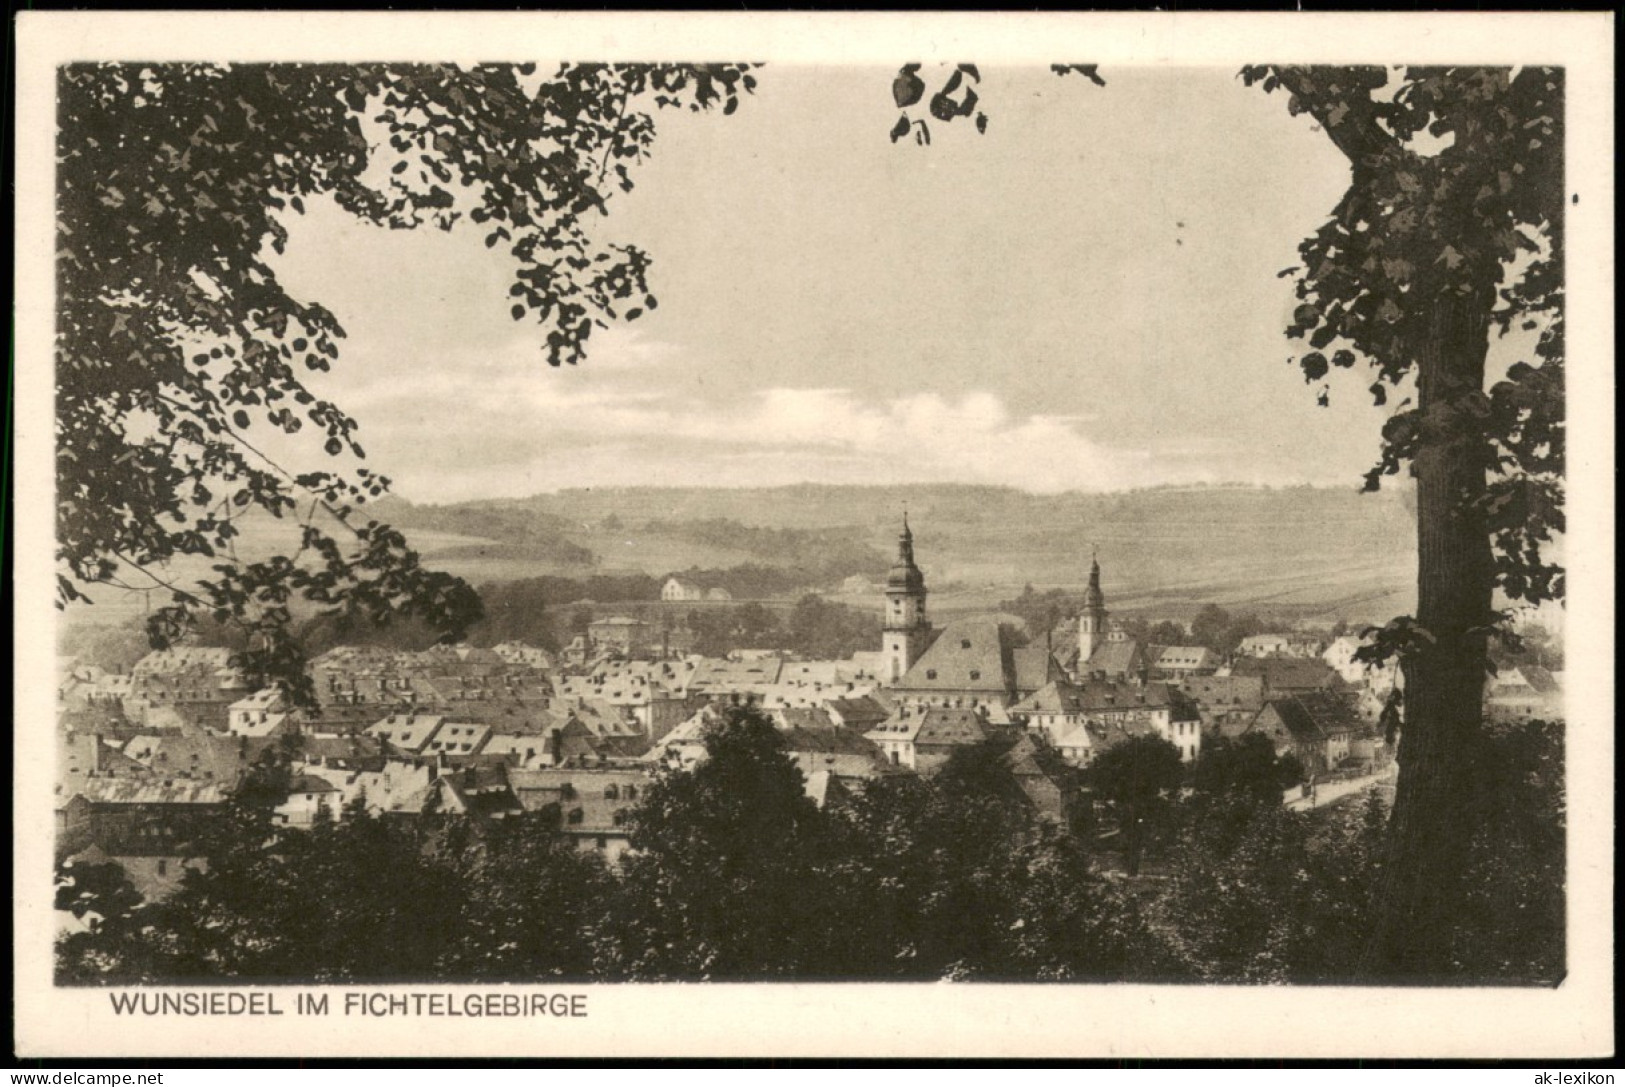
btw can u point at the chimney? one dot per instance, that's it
(96, 753)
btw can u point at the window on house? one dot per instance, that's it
(964, 643)
(163, 867)
(975, 674)
(930, 673)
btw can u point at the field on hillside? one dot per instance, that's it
(1288, 553)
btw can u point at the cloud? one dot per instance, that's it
(508, 426)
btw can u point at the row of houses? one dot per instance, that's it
(495, 733)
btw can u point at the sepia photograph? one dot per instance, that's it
(723, 512)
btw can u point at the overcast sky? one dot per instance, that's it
(1083, 298)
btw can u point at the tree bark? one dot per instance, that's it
(1435, 808)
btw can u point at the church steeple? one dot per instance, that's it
(904, 574)
(1092, 619)
(906, 628)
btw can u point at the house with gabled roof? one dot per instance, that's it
(923, 737)
(481, 792)
(1523, 692)
(1179, 661)
(860, 714)
(1283, 676)
(148, 826)
(1319, 727)
(408, 733)
(594, 803)
(455, 738)
(1227, 704)
(833, 749)
(1039, 771)
(197, 757)
(265, 713)
(1083, 719)
(308, 795)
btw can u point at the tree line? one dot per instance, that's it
(735, 874)
(546, 612)
(1212, 626)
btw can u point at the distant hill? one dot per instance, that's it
(1300, 552)
(1292, 551)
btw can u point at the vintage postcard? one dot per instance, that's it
(814, 535)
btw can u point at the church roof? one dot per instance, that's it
(1114, 658)
(969, 655)
(1035, 666)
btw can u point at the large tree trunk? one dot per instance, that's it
(1435, 810)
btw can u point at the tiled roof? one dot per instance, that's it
(1225, 691)
(215, 758)
(149, 790)
(969, 655)
(1288, 673)
(1314, 716)
(1059, 697)
(1106, 696)
(1119, 658)
(1186, 656)
(310, 783)
(859, 713)
(828, 740)
(1035, 666)
(727, 675)
(950, 727)
(599, 795)
(409, 731)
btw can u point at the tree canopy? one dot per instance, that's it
(1450, 230)
(177, 346)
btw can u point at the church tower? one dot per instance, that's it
(1092, 630)
(906, 629)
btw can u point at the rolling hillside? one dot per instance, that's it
(1299, 551)
(1295, 553)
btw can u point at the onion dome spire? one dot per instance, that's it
(905, 575)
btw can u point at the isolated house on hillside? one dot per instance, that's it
(678, 589)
